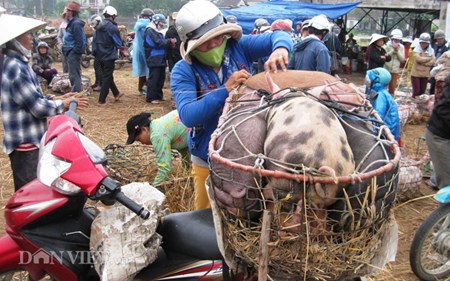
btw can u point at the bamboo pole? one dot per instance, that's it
(264, 246)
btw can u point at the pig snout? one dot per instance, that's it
(241, 140)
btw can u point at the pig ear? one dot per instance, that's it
(273, 88)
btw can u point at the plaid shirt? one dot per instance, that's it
(24, 107)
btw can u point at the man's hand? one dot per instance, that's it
(83, 102)
(236, 79)
(278, 57)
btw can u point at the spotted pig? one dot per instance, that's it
(303, 132)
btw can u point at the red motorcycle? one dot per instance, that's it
(47, 222)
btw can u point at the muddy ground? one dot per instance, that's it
(107, 125)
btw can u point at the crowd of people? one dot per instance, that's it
(208, 56)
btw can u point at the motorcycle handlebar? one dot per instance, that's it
(109, 191)
(133, 206)
(72, 112)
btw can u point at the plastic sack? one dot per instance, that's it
(121, 242)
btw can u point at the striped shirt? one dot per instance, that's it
(24, 107)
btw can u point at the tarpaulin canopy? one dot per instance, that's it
(293, 10)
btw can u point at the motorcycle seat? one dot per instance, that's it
(190, 233)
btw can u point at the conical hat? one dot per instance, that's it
(13, 26)
(375, 37)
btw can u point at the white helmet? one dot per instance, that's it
(396, 34)
(320, 22)
(260, 23)
(196, 18)
(110, 10)
(94, 21)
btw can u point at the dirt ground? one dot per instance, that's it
(106, 125)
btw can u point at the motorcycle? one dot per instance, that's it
(124, 56)
(124, 53)
(47, 218)
(430, 249)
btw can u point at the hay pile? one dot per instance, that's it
(137, 163)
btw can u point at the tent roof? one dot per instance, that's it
(293, 10)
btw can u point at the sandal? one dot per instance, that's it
(118, 97)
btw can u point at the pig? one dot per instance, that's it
(303, 132)
(318, 84)
(240, 138)
(369, 154)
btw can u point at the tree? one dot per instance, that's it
(134, 7)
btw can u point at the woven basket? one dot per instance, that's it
(410, 178)
(138, 163)
(316, 247)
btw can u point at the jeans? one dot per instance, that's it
(74, 64)
(23, 166)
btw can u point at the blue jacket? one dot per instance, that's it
(75, 38)
(201, 112)
(311, 54)
(386, 107)
(155, 48)
(139, 63)
(107, 40)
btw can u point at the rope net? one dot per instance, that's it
(325, 225)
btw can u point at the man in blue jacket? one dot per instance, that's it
(74, 44)
(311, 53)
(107, 42)
(216, 60)
(155, 51)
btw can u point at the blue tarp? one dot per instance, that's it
(295, 11)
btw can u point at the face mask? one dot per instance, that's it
(24, 51)
(212, 57)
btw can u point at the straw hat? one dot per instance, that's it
(186, 47)
(375, 37)
(17, 26)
